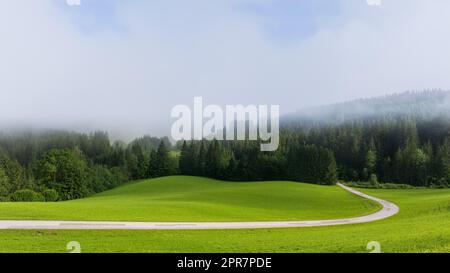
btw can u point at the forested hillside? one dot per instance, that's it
(403, 138)
(421, 105)
(398, 150)
(58, 165)
(410, 146)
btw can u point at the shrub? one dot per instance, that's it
(394, 186)
(50, 195)
(368, 185)
(374, 181)
(26, 196)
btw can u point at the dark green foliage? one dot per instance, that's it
(50, 195)
(312, 164)
(64, 170)
(162, 163)
(216, 161)
(442, 162)
(243, 161)
(5, 185)
(369, 185)
(398, 149)
(382, 148)
(149, 143)
(101, 178)
(12, 175)
(186, 158)
(401, 150)
(27, 195)
(140, 162)
(76, 165)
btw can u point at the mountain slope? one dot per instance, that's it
(426, 104)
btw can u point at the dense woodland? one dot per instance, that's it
(410, 148)
(400, 139)
(59, 165)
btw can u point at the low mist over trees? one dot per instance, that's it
(396, 150)
(402, 138)
(409, 149)
(425, 105)
(58, 165)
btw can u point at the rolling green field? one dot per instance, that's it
(423, 224)
(183, 198)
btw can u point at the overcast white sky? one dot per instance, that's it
(121, 65)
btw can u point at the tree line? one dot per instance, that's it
(243, 161)
(390, 149)
(58, 165)
(409, 150)
(66, 165)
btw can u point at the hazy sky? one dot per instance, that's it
(121, 65)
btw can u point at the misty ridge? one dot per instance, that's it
(402, 139)
(421, 105)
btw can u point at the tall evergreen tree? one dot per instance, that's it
(163, 161)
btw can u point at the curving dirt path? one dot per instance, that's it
(388, 209)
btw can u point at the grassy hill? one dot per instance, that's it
(422, 225)
(182, 198)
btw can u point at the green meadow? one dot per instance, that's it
(184, 198)
(422, 225)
